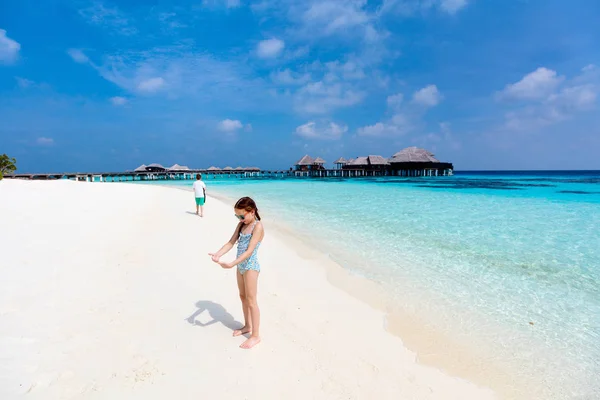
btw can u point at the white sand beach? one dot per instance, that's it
(107, 292)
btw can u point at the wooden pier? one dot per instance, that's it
(210, 175)
(149, 176)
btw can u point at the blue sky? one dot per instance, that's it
(485, 84)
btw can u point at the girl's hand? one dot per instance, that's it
(214, 257)
(225, 265)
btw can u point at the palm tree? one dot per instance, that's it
(7, 165)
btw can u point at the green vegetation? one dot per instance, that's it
(7, 165)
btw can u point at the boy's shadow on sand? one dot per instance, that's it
(217, 312)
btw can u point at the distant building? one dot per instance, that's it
(411, 161)
(307, 163)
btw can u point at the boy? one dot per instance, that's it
(200, 193)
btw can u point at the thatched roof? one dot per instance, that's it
(178, 167)
(360, 161)
(228, 168)
(306, 160)
(141, 168)
(214, 169)
(253, 169)
(340, 160)
(319, 160)
(239, 168)
(377, 160)
(155, 165)
(413, 154)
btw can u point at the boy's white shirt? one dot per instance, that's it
(199, 188)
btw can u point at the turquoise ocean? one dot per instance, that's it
(508, 262)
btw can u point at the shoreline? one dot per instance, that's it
(431, 347)
(114, 283)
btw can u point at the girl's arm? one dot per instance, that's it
(257, 236)
(227, 246)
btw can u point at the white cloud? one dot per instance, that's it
(444, 138)
(336, 15)
(429, 96)
(9, 49)
(314, 19)
(412, 7)
(452, 6)
(350, 70)
(330, 131)
(399, 124)
(406, 117)
(118, 101)
(78, 56)
(151, 85)
(270, 48)
(229, 125)
(287, 77)
(186, 74)
(24, 83)
(170, 21)
(322, 97)
(394, 101)
(225, 3)
(44, 141)
(535, 85)
(111, 17)
(548, 102)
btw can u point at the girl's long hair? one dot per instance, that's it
(247, 204)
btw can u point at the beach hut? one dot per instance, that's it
(228, 168)
(340, 162)
(141, 168)
(214, 169)
(239, 168)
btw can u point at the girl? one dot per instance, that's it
(249, 234)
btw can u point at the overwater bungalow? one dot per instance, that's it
(304, 163)
(178, 167)
(319, 163)
(414, 161)
(155, 168)
(340, 162)
(141, 168)
(411, 161)
(357, 163)
(307, 163)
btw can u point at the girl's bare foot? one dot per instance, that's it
(242, 331)
(250, 343)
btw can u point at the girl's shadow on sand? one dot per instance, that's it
(217, 312)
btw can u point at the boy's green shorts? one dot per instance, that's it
(199, 201)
